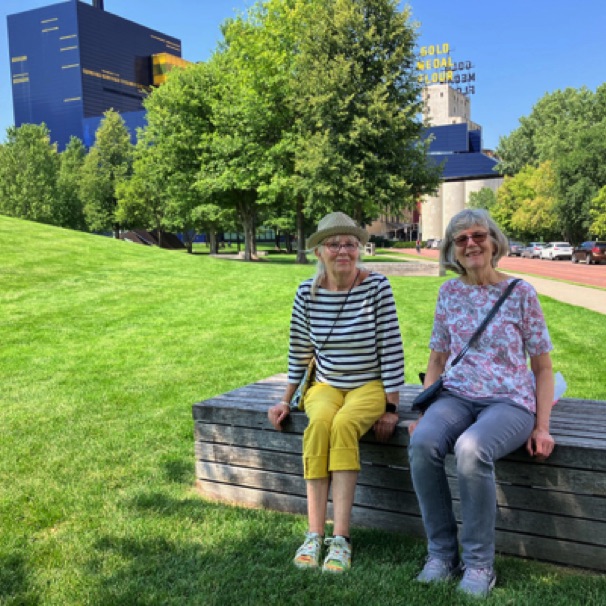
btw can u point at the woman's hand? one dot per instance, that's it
(413, 425)
(385, 426)
(277, 414)
(540, 443)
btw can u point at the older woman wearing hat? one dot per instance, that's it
(345, 317)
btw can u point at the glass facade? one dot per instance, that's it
(71, 62)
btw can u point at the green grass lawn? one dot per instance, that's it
(105, 346)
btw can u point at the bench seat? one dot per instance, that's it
(553, 510)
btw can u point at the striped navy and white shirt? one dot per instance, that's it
(365, 343)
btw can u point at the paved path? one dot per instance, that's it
(581, 296)
(547, 276)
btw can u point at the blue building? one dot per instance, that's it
(72, 61)
(456, 144)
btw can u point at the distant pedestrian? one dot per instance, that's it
(418, 246)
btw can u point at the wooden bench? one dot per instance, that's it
(553, 511)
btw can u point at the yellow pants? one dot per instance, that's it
(337, 421)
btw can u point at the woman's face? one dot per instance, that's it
(474, 248)
(339, 254)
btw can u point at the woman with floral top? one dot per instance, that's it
(492, 404)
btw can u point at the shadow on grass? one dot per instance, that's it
(214, 554)
(15, 588)
(179, 471)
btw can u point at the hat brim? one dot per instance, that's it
(339, 230)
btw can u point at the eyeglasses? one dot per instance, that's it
(478, 237)
(335, 247)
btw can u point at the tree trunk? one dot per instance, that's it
(188, 237)
(116, 230)
(301, 256)
(213, 242)
(247, 216)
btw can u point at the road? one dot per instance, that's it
(586, 275)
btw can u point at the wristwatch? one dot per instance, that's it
(389, 407)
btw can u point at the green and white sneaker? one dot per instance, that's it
(338, 558)
(308, 555)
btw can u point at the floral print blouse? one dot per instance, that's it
(497, 365)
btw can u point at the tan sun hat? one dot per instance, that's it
(336, 224)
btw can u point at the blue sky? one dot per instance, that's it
(520, 50)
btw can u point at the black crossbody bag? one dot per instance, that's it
(428, 396)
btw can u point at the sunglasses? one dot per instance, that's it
(478, 237)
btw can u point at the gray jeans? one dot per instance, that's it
(478, 432)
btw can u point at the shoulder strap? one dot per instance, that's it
(487, 319)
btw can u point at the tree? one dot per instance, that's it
(580, 175)
(29, 163)
(597, 212)
(168, 156)
(536, 214)
(485, 198)
(68, 206)
(525, 206)
(107, 164)
(236, 156)
(567, 129)
(318, 105)
(547, 132)
(358, 102)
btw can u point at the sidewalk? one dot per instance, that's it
(581, 296)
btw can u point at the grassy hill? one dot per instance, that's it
(105, 345)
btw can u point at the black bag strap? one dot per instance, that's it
(487, 319)
(321, 345)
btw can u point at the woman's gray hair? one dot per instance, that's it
(321, 268)
(464, 220)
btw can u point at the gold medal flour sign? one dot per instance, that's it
(436, 66)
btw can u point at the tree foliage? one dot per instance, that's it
(525, 204)
(597, 212)
(29, 164)
(311, 105)
(565, 131)
(358, 103)
(484, 198)
(107, 164)
(69, 209)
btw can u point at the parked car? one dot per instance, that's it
(515, 249)
(436, 243)
(590, 252)
(526, 252)
(556, 250)
(429, 242)
(533, 250)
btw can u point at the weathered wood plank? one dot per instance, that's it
(508, 542)
(569, 553)
(249, 497)
(398, 479)
(548, 474)
(551, 524)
